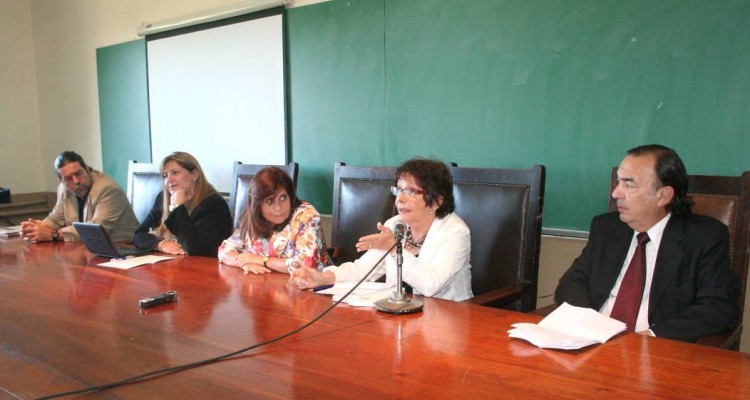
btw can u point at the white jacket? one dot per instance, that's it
(442, 269)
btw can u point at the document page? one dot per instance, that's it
(568, 327)
(364, 296)
(10, 231)
(134, 261)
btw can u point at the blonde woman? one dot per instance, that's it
(189, 216)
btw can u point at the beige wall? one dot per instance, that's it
(48, 86)
(556, 256)
(20, 166)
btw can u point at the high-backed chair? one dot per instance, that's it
(144, 184)
(242, 175)
(503, 209)
(727, 199)
(361, 198)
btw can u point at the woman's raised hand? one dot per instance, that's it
(380, 241)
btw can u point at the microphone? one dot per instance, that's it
(399, 230)
(398, 303)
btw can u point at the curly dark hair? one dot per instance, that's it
(435, 179)
(671, 172)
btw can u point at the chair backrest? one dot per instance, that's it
(503, 209)
(727, 199)
(242, 175)
(144, 184)
(361, 198)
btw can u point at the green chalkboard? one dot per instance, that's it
(337, 104)
(123, 107)
(507, 84)
(570, 84)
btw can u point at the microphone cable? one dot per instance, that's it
(182, 367)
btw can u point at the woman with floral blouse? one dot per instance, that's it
(277, 231)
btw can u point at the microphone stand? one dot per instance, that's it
(398, 303)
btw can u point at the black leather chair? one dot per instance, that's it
(361, 198)
(144, 184)
(727, 199)
(242, 175)
(503, 209)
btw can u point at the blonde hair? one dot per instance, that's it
(202, 189)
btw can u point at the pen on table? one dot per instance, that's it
(319, 288)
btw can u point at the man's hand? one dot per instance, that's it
(35, 231)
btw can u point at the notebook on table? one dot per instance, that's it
(97, 241)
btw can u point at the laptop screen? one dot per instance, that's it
(96, 240)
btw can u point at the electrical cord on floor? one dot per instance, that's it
(182, 367)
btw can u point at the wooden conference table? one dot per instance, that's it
(69, 324)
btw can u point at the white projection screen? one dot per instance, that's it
(218, 94)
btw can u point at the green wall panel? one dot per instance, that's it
(337, 92)
(508, 84)
(123, 107)
(496, 83)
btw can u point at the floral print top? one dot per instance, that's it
(300, 242)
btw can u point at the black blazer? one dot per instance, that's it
(693, 290)
(199, 233)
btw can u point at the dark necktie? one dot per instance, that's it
(628, 300)
(81, 206)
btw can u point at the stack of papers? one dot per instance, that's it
(568, 328)
(10, 231)
(131, 262)
(364, 296)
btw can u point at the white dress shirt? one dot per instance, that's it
(652, 250)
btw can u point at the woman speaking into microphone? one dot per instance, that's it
(436, 243)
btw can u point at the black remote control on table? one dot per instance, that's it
(164, 298)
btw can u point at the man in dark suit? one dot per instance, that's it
(687, 289)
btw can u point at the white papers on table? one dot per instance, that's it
(131, 262)
(10, 231)
(364, 296)
(568, 328)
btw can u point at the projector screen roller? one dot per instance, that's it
(218, 94)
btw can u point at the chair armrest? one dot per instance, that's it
(729, 340)
(497, 297)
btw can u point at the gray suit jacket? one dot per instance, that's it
(693, 291)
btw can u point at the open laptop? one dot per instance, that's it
(97, 241)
